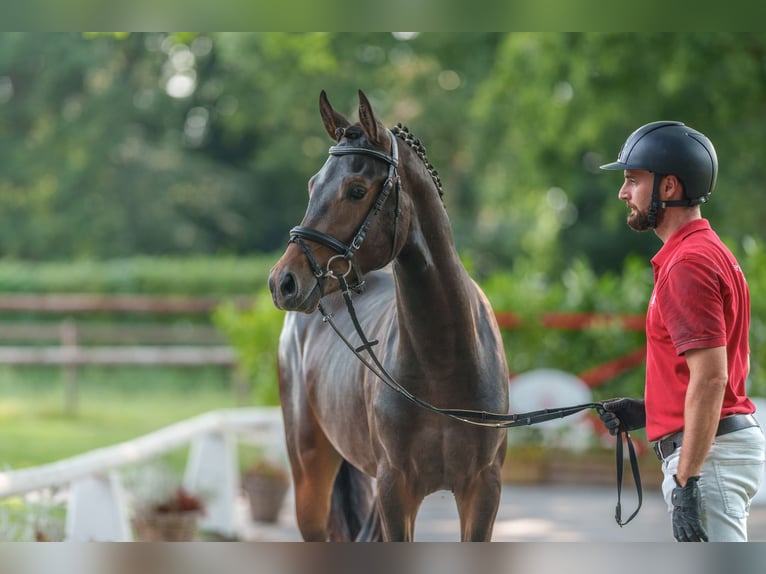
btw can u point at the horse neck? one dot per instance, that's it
(436, 298)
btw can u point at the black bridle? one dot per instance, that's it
(347, 251)
(373, 363)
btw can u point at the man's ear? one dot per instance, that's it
(671, 188)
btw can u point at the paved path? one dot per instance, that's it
(555, 513)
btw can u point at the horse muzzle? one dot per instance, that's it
(293, 290)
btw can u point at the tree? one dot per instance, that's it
(546, 122)
(201, 143)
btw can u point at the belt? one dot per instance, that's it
(665, 447)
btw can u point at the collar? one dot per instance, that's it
(679, 235)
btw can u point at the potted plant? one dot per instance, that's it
(172, 518)
(266, 484)
(163, 509)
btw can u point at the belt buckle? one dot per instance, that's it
(661, 447)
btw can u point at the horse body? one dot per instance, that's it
(437, 337)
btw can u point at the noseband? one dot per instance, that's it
(345, 251)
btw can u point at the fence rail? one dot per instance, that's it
(100, 333)
(118, 342)
(89, 303)
(178, 356)
(98, 509)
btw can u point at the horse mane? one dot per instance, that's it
(403, 133)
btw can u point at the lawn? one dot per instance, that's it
(114, 405)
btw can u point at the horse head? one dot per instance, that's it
(355, 218)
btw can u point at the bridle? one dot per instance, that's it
(344, 251)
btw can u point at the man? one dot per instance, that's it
(695, 405)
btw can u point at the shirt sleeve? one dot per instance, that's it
(691, 304)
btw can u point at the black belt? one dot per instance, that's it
(668, 445)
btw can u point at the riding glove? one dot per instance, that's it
(623, 414)
(687, 525)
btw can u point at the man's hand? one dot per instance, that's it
(623, 414)
(687, 526)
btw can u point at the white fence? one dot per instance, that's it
(97, 508)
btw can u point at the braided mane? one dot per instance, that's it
(403, 132)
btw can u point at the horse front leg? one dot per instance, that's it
(313, 476)
(477, 504)
(314, 464)
(397, 506)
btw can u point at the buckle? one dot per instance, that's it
(663, 448)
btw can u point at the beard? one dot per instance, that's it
(639, 220)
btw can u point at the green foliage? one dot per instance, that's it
(254, 334)
(157, 143)
(751, 254)
(545, 122)
(117, 145)
(526, 292)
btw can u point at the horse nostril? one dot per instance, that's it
(288, 287)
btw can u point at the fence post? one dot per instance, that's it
(97, 510)
(212, 472)
(240, 384)
(68, 336)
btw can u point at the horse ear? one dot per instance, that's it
(333, 122)
(367, 119)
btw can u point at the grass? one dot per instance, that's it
(114, 405)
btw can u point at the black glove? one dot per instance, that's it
(687, 526)
(623, 415)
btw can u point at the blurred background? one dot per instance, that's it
(148, 182)
(119, 145)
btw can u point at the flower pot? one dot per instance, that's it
(176, 526)
(266, 495)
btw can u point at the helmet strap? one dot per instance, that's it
(685, 202)
(654, 204)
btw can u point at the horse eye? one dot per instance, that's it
(356, 192)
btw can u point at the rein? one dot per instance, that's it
(483, 418)
(347, 252)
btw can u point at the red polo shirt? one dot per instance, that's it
(700, 300)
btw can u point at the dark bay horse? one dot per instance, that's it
(363, 458)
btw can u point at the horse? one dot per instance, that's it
(362, 456)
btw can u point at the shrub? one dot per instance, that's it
(254, 334)
(529, 294)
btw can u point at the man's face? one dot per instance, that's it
(636, 192)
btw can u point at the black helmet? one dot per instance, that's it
(672, 148)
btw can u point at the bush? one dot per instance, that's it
(752, 258)
(529, 294)
(254, 334)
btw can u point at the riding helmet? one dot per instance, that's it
(672, 148)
